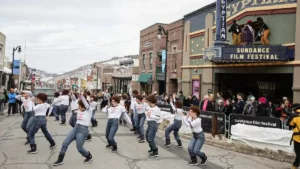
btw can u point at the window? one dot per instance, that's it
(175, 66)
(150, 61)
(144, 61)
(174, 49)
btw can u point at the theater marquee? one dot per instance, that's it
(256, 53)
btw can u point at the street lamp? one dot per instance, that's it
(161, 30)
(18, 48)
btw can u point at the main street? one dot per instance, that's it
(131, 154)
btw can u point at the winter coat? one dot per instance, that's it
(262, 111)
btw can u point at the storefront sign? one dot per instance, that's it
(239, 5)
(256, 121)
(163, 62)
(147, 44)
(254, 53)
(223, 20)
(135, 78)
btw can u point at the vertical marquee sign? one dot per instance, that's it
(221, 12)
(223, 20)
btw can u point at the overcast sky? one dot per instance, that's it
(51, 27)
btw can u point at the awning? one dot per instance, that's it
(145, 77)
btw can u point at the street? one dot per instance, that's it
(131, 154)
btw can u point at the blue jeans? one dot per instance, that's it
(40, 122)
(196, 144)
(28, 121)
(55, 111)
(73, 118)
(78, 133)
(150, 134)
(111, 130)
(135, 117)
(175, 126)
(140, 123)
(93, 115)
(63, 111)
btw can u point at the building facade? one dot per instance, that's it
(151, 69)
(270, 75)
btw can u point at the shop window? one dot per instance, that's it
(150, 61)
(144, 61)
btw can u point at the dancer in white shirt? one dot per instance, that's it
(112, 126)
(56, 106)
(176, 125)
(193, 120)
(140, 107)
(94, 107)
(79, 132)
(40, 122)
(153, 116)
(26, 98)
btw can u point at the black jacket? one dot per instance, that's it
(228, 109)
(188, 102)
(262, 111)
(235, 29)
(272, 111)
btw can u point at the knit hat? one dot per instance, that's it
(262, 100)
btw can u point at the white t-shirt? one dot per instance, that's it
(74, 104)
(93, 105)
(56, 102)
(132, 102)
(114, 112)
(84, 117)
(195, 125)
(41, 109)
(140, 108)
(178, 112)
(154, 113)
(28, 103)
(64, 100)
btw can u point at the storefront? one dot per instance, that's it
(145, 80)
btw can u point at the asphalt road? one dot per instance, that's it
(131, 154)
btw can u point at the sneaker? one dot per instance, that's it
(154, 153)
(53, 146)
(89, 158)
(168, 144)
(150, 151)
(204, 160)
(142, 141)
(180, 146)
(59, 161)
(132, 129)
(89, 138)
(114, 149)
(138, 137)
(33, 149)
(27, 142)
(108, 146)
(193, 163)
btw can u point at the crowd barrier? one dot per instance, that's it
(224, 123)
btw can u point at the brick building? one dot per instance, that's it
(152, 78)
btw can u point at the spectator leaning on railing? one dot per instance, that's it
(262, 108)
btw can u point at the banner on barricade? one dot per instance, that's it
(166, 108)
(206, 120)
(255, 121)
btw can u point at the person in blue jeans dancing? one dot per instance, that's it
(56, 106)
(79, 132)
(140, 108)
(27, 102)
(193, 121)
(114, 113)
(152, 116)
(176, 125)
(40, 122)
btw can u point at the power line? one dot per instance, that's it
(80, 48)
